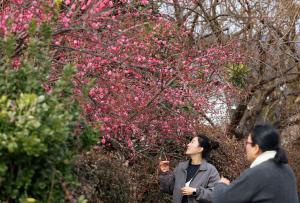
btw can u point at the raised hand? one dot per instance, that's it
(224, 180)
(164, 166)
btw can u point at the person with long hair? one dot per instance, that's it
(192, 181)
(269, 178)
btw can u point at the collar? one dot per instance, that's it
(265, 156)
(203, 165)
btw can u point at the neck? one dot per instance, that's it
(196, 159)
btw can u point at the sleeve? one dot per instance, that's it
(205, 194)
(167, 182)
(239, 191)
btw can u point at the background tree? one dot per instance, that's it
(268, 35)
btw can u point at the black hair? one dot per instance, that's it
(207, 145)
(267, 138)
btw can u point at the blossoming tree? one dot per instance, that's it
(139, 80)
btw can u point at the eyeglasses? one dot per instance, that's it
(247, 142)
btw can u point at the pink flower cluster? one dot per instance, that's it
(144, 80)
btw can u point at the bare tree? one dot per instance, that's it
(268, 33)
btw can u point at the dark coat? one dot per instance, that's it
(205, 179)
(267, 182)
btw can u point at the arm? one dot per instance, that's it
(167, 181)
(205, 194)
(239, 191)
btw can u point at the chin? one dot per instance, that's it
(250, 160)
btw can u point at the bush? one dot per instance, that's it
(39, 133)
(103, 179)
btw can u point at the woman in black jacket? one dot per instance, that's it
(269, 178)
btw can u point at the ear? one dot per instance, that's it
(257, 150)
(201, 149)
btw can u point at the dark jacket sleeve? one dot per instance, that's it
(167, 182)
(239, 191)
(205, 194)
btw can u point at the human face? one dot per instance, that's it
(252, 151)
(193, 147)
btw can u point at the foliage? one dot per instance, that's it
(238, 74)
(141, 72)
(137, 71)
(39, 133)
(103, 179)
(140, 80)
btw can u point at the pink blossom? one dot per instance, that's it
(138, 81)
(144, 2)
(67, 2)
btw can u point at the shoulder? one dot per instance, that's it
(269, 167)
(182, 165)
(264, 171)
(210, 167)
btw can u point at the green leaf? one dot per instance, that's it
(46, 31)
(3, 168)
(32, 27)
(9, 46)
(12, 146)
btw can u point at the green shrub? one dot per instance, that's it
(37, 128)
